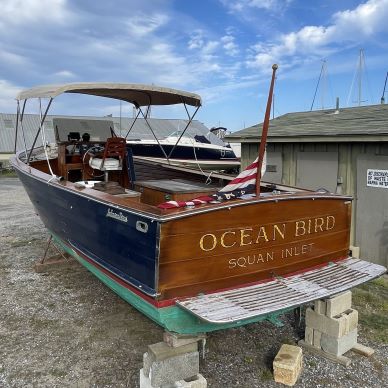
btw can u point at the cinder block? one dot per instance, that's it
(339, 346)
(161, 350)
(334, 327)
(320, 306)
(287, 364)
(317, 339)
(309, 335)
(339, 303)
(176, 340)
(352, 319)
(167, 371)
(147, 361)
(355, 251)
(144, 381)
(197, 381)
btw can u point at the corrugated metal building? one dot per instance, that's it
(337, 150)
(161, 127)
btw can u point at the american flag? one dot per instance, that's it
(244, 183)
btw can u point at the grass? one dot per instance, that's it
(371, 301)
(9, 173)
(266, 375)
(287, 340)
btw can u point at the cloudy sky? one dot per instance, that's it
(221, 49)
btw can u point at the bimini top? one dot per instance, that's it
(137, 94)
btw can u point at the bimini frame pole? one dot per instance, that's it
(17, 126)
(19, 122)
(183, 132)
(40, 127)
(150, 127)
(22, 128)
(133, 123)
(264, 133)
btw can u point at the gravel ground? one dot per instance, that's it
(66, 329)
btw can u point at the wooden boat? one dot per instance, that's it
(191, 269)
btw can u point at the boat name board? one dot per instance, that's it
(115, 215)
(265, 257)
(268, 233)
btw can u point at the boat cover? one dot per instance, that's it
(281, 293)
(137, 94)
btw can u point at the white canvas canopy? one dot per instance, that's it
(137, 94)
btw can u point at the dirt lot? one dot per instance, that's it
(66, 329)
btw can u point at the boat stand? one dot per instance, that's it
(331, 329)
(59, 260)
(174, 362)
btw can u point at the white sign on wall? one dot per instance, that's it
(377, 178)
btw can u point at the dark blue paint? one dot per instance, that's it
(181, 152)
(82, 222)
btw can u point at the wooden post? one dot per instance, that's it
(264, 132)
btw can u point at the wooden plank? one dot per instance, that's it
(363, 350)
(345, 361)
(233, 305)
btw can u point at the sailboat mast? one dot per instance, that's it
(383, 95)
(361, 61)
(322, 75)
(264, 133)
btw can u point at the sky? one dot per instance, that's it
(221, 49)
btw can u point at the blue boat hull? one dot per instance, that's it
(103, 233)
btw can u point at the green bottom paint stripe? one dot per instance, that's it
(172, 318)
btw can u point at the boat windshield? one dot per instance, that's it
(177, 133)
(199, 138)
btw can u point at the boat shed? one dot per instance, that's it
(339, 150)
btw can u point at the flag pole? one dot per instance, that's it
(263, 141)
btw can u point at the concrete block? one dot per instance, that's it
(144, 381)
(309, 335)
(160, 360)
(147, 362)
(355, 251)
(334, 327)
(320, 306)
(161, 351)
(339, 346)
(167, 371)
(317, 339)
(339, 303)
(352, 319)
(197, 381)
(287, 364)
(176, 340)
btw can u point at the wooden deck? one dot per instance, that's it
(281, 293)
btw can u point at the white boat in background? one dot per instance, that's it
(197, 151)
